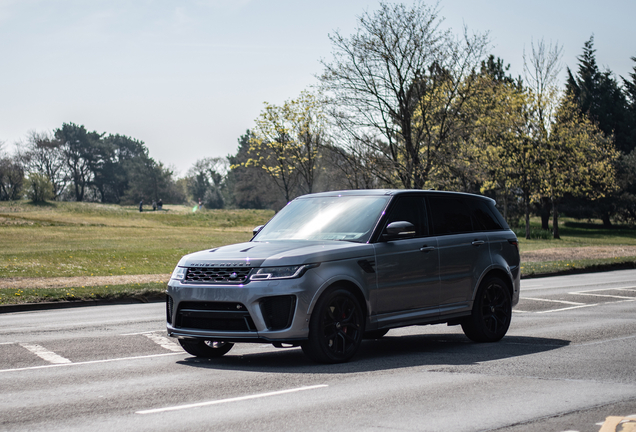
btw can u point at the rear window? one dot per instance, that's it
(483, 217)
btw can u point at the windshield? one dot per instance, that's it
(349, 218)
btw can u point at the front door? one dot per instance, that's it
(408, 268)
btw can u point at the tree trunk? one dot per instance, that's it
(545, 214)
(607, 223)
(527, 211)
(555, 220)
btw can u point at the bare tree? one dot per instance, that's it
(43, 155)
(399, 85)
(541, 71)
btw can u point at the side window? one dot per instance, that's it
(410, 209)
(483, 218)
(450, 215)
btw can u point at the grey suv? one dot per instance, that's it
(333, 268)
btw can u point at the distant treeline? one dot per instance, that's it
(401, 104)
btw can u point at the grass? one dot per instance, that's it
(141, 292)
(575, 234)
(531, 269)
(89, 239)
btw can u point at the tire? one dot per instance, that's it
(492, 312)
(374, 334)
(205, 348)
(336, 327)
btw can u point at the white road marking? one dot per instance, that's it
(603, 295)
(568, 308)
(235, 399)
(141, 333)
(164, 342)
(7, 343)
(88, 362)
(553, 301)
(45, 354)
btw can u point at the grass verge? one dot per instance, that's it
(140, 291)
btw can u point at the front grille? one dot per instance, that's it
(220, 316)
(278, 311)
(169, 309)
(212, 275)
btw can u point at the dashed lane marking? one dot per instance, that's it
(45, 354)
(164, 342)
(235, 399)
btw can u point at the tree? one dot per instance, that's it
(78, 148)
(598, 95)
(38, 187)
(399, 85)
(286, 141)
(579, 159)
(205, 180)
(150, 180)
(111, 177)
(505, 154)
(541, 69)
(43, 155)
(249, 186)
(11, 177)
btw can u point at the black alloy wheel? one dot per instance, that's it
(492, 312)
(336, 327)
(205, 348)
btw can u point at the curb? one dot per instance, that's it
(626, 265)
(27, 307)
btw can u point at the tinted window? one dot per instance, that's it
(450, 215)
(410, 209)
(497, 215)
(483, 219)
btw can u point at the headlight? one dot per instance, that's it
(288, 272)
(179, 273)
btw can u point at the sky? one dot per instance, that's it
(189, 77)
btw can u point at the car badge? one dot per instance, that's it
(233, 276)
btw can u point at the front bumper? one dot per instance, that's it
(271, 311)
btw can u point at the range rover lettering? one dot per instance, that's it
(333, 268)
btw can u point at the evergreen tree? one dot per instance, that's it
(599, 96)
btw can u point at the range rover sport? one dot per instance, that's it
(333, 268)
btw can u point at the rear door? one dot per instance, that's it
(463, 250)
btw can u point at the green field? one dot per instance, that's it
(89, 239)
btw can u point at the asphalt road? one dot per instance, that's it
(568, 362)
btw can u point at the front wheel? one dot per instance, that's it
(336, 327)
(492, 312)
(205, 348)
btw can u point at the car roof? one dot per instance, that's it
(389, 192)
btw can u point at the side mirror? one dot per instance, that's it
(399, 229)
(257, 230)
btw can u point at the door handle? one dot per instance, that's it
(427, 248)
(478, 242)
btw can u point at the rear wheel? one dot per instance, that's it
(336, 327)
(205, 348)
(492, 311)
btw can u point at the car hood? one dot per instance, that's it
(276, 253)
